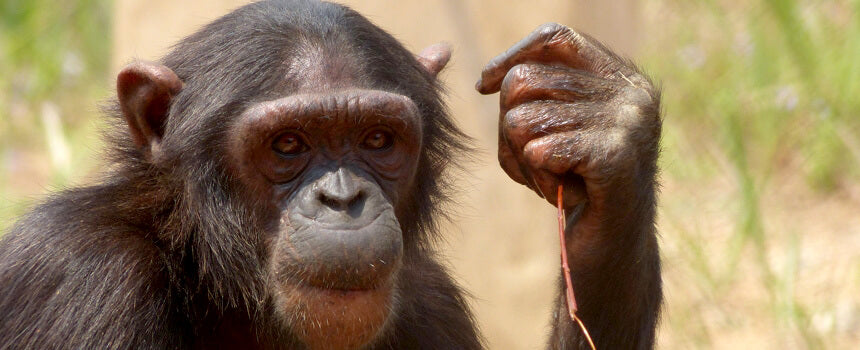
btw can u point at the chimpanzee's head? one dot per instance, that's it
(306, 146)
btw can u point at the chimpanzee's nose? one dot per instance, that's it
(340, 191)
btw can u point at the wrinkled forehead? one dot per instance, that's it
(317, 65)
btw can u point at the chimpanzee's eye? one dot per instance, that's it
(378, 140)
(289, 144)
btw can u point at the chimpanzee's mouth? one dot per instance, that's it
(342, 259)
(343, 293)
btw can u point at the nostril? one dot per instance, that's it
(328, 201)
(355, 199)
(346, 202)
(356, 206)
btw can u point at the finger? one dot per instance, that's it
(510, 164)
(596, 156)
(530, 82)
(517, 128)
(548, 161)
(593, 157)
(557, 153)
(554, 160)
(537, 119)
(553, 43)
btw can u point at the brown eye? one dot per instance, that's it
(289, 144)
(378, 140)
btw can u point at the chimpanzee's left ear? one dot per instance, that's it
(435, 57)
(145, 90)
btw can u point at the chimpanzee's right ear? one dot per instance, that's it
(145, 91)
(434, 57)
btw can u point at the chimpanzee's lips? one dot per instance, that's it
(337, 220)
(345, 288)
(355, 258)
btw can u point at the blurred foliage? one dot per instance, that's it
(756, 92)
(763, 86)
(54, 57)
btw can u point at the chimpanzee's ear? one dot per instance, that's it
(435, 57)
(145, 90)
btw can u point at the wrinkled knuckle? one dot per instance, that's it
(518, 75)
(640, 96)
(553, 34)
(639, 125)
(616, 145)
(542, 155)
(515, 82)
(551, 29)
(628, 145)
(530, 152)
(515, 126)
(615, 154)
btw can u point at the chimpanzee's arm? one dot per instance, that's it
(574, 113)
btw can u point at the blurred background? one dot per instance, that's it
(760, 207)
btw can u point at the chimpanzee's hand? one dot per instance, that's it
(575, 113)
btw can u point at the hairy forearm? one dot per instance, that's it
(615, 269)
(573, 112)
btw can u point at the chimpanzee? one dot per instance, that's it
(275, 182)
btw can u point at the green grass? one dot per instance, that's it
(765, 89)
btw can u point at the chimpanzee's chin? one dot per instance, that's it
(325, 318)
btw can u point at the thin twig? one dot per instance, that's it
(571, 299)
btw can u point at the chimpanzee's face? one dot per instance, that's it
(327, 137)
(331, 163)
